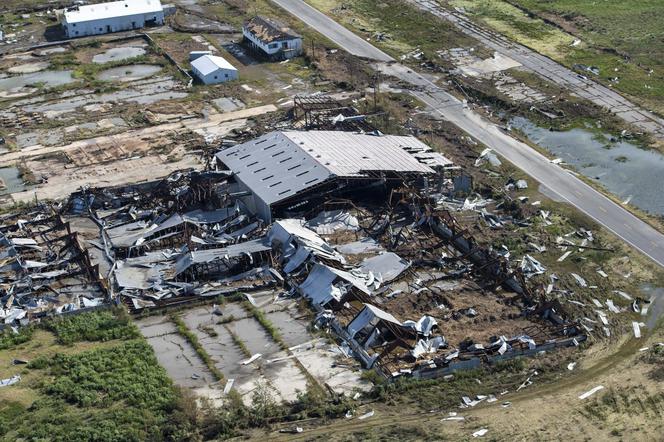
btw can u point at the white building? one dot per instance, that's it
(271, 39)
(103, 18)
(211, 69)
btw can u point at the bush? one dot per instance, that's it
(128, 372)
(101, 325)
(110, 394)
(9, 339)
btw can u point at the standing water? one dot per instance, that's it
(626, 170)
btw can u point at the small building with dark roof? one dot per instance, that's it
(271, 39)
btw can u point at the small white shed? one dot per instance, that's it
(211, 69)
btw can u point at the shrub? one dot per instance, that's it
(101, 325)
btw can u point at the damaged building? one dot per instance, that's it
(45, 269)
(286, 172)
(357, 226)
(271, 39)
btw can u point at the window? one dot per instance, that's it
(284, 45)
(74, 25)
(273, 45)
(226, 75)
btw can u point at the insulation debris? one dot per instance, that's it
(589, 393)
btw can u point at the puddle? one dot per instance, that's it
(118, 54)
(626, 170)
(129, 72)
(11, 181)
(144, 92)
(48, 78)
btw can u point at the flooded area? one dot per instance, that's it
(118, 54)
(47, 78)
(141, 92)
(129, 72)
(630, 172)
(10, 181)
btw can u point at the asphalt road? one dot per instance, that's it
(332, 30)
(551, 71)
(442, 104)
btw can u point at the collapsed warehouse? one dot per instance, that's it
(45, 268)
(358, 224)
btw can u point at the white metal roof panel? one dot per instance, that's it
(349, 153)
(210, 63)
(101, 11)
(279, 165)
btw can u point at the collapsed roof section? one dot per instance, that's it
(282, 168)
(44, 269)
(269, 30)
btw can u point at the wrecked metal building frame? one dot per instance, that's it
(44, 269)
(285, 172)
(361, 234)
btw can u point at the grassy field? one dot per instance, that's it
(393, 26)
(625, 40)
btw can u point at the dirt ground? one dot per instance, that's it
(627, 408)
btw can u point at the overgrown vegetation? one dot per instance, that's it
(110, 393)
(235, 416)
(101, 325)
(9, 339)
(622, 39)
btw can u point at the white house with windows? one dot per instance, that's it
(271, 39)
(212, 69)
(104, 18)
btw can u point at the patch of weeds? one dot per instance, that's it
(211, 332)
(239, 342)
(226, 320)
(9, 339)
(102, 325)
(259, 315)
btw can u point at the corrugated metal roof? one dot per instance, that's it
(112, 9)
(210, 63)
(278, 165)
(348, 153)
(209, 255)
(319, 285)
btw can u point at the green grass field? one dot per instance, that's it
(625, 40)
